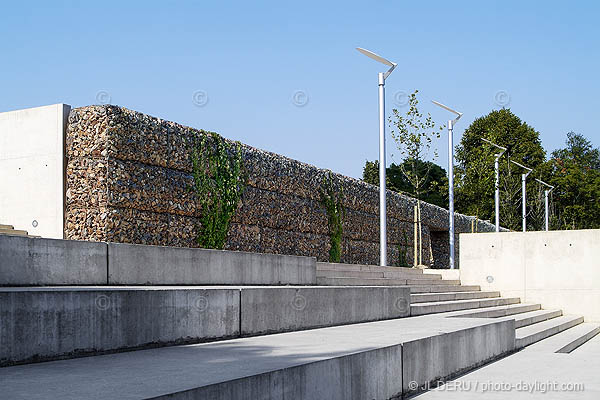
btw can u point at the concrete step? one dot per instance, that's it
(424, 288)
(336, 273)
(568, 340)
(39, 323)
(533, 317)
(497, 312)
(374, 360)
(528, 335)
(368, 268)
(431, 297)
(13, 232)
(446, 306)
(348, 281)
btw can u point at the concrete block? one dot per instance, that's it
(46, 323)
(270, 309)
(427, 360)
(34, 261)
(333, 379)
(157, 265)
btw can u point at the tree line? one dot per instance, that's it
(574, 171)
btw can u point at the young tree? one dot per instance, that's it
(414, 134)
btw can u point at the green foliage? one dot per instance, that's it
(402, 251)
(219, 182)
(414, 134)
(332, 200)
(575, 172)
(434, 189)
(475, 170)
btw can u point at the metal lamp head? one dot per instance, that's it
(458, 114)
(380, 59)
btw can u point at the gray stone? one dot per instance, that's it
(157, 265)
(268, 310)
(45, 323)
(35, 261)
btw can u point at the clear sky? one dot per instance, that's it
(248, 59)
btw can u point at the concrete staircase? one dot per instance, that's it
(159, 322)
(430, 294)
(10, 230)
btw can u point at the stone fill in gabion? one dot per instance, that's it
(128, 179)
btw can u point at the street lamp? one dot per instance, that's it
(524, 190)
(382, 195)
(546, 193)
(450, 176)
(497, 169)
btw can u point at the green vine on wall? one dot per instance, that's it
(219, 182)
(332, 200)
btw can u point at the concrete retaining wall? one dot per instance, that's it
(267, 310)
(35, 261)
(47, 323)
(558, 269)
(427, 360)
(157, 265)
(43, 323)
(333, 379)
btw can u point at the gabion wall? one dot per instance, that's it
(128, 176)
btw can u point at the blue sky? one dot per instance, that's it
(249, 58)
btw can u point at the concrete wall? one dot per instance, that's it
(559, 269)
(32, 164)
(268, 310)
(37, 261)
(45, 323)
(160, 265)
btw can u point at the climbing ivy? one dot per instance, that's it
(332, 201)
(218, 184)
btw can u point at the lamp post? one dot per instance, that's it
(382, 195)
(524, 191)
(546, 193)
(497, 170)
(450, 176)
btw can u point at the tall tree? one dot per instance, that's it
(575, 172)
(475, 170)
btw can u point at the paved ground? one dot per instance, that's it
(155, 372)
(536, 372)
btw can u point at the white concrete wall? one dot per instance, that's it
(559, 269)
(32, 169)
